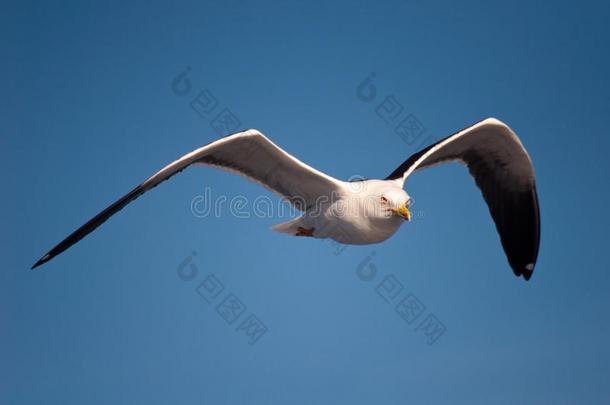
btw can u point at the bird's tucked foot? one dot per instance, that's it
(304, 231)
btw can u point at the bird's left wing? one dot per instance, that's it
(249, 154)
(503, 171)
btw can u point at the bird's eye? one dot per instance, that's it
(384, 200)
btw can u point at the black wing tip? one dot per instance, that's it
(42, 261)
(526, 271)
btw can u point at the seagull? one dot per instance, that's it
(375, 209)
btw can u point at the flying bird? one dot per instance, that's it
(373, 211)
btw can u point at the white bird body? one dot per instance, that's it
(354, 215)
(369, 211)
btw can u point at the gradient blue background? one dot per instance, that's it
(87, 112)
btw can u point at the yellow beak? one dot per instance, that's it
(403, 211)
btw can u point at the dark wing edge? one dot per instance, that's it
(162, 175)
(503, 171)
(247, 153)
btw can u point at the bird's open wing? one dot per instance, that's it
(249, 154)
(503, 171)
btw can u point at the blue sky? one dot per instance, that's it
(88, 112)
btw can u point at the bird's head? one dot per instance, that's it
(396, 202)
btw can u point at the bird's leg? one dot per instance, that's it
(304, 231)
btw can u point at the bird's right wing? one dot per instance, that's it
(503, 171)
(249, 154)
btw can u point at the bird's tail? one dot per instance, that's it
(289, 227)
